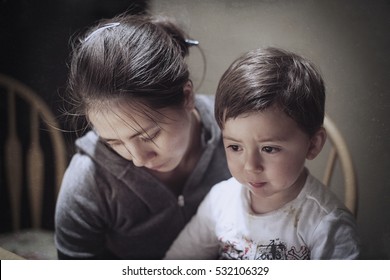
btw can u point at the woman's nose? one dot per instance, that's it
(141, 158)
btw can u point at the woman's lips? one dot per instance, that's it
(160, 167)
(156, 167)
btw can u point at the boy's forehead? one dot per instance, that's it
(233, 114)
(271, 123)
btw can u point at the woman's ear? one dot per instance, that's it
(317, 142)
(189, 98)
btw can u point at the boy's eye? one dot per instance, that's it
(270, 150)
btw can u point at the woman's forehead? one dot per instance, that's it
(122, 108)
(114, 124)
(135, 117)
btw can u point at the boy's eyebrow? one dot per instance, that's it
(270, 139)
(230, 138)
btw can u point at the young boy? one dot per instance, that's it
(270, 107)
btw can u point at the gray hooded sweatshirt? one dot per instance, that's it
(108, 208)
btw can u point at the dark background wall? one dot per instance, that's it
(34, 49)
(34, 37)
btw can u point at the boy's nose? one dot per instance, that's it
(254, 163)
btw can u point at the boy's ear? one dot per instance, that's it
(317, 142)
(189, 102)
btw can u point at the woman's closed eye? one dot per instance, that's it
(151, 137)
(113, 144)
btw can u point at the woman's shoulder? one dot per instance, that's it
(88, 167)
(79, 175)
(207, 98)
(205, 106)
(204, 103)
(87, 143)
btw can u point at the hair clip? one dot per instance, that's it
(108, 25)
(191, 42)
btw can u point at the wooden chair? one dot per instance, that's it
(339, 156)
(27, 163)
(7, 255)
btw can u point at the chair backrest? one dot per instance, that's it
(339, 152)
(28, 163)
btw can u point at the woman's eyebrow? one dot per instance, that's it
(138, 133)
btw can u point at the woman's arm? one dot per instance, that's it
(79, 219)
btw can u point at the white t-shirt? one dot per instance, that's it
(315, 225)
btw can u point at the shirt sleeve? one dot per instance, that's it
(336, 237)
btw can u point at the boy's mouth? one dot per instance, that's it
(257, 185)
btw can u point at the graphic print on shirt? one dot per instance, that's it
(245, 249)
(232, 250)
(302, 254)
(275, 250)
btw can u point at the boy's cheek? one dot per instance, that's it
(234, 167)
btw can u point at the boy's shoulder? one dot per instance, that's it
(319, 196)
(222, 186)
(222, 199)
(225, 190)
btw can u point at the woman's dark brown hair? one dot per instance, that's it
(137, 59)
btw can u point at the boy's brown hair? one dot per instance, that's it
(271, 76)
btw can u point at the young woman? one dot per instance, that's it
(154, 149)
